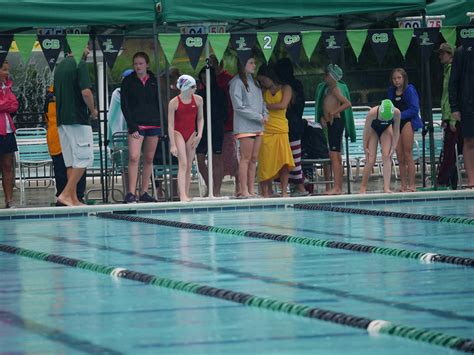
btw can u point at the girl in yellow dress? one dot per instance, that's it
(275, 159)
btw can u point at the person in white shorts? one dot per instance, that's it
(74, 106)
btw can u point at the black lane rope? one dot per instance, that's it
(362, 211)
(371, 325)
(271, 280)
(423, 256)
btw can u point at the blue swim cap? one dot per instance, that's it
(127, 72)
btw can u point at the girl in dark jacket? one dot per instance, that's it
(140, 107)
(405, 98)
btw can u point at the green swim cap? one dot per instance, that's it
(386, 109)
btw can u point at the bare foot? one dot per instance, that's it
(335, 192)
(185, 199)
(362, 191)
(411, 189)
(62, 201)
(388, 191)
(285, 194)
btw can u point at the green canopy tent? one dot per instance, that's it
(454, 10)
(241, 15)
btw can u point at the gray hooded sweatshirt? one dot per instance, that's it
(249, 107)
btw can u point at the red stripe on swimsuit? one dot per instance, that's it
(185, 118)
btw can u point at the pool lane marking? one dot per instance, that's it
(368, 212)
(425, 257)
(373, 327)
(54, 334)
(271, 280)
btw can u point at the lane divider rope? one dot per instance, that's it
(422, 256)
(366, 212)
(370, 325)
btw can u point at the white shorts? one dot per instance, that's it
(76, 144)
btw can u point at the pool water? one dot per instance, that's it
(50, 308)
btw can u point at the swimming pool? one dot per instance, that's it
(47, 307)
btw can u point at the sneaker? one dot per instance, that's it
(9, 204)
(147, 198)
(130, 198)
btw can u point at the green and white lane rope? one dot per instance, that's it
(427, 257)
(370, 325)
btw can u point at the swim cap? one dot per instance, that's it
(127, 72)
(334, 71)
(386, 109)
(185, 82)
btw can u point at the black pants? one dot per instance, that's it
(60, 176)
(447, 166)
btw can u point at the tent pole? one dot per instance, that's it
(210, 169)
(160, 104)
(94, 56)
(105, 141)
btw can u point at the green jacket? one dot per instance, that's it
(347, 115)
(446, 114)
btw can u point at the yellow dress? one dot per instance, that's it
(275, 151)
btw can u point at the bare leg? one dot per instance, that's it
(68, 196)
(408, 137)
(402, 164)
(247, 165)
(6, 162)
(190, 153)
(468, 154)
(134, 150)
(149, 150)
(202, 167)
(253, 165)
(386, 143)
(336, 164)
(182, 166)
(369, 161)
(218, 173)
(284, 176)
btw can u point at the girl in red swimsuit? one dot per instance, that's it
(183, 134)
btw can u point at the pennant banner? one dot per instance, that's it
(243, 44)
(267, 41)
(5, 43)
(218, 42)
(25, 45)
(110, 46)
(334, 42)
(403, 37)
(380, 40)
(51, 46)
(77, 43)
(466, 36)
(449, 35)
(427, 38)
(292, 42)
(194, 44)
(169, 44)
(357, 40)
(310, 40)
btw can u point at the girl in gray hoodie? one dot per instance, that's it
(250, 114)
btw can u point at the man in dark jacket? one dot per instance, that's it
(461, 100)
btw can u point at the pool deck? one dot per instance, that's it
(226, 203)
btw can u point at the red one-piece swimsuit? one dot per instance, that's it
(185, 118)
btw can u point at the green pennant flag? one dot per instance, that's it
(267, 41)
(310, 40)
(77, 43)
(169, 44)
(218, 42)
(403, 38)
(449, 35)
(357, 40)
(25, 45)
